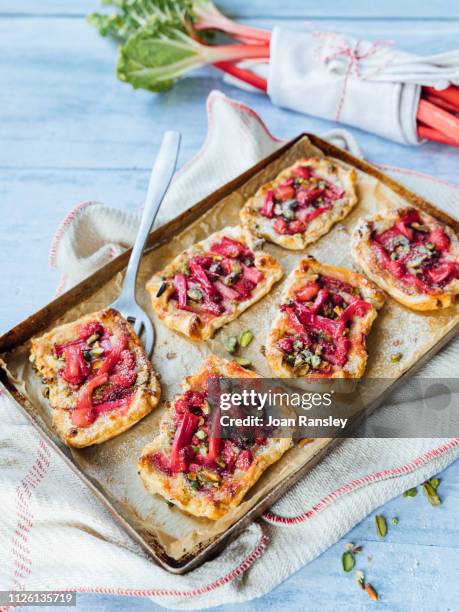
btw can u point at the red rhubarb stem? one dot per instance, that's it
(235, 29)
(234, 53)
(450, 94)
(243, 75)
(432, 134)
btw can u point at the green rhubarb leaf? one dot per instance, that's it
(156, 55)
(160, 39)
(131, 15)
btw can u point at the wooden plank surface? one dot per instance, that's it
(70, 132)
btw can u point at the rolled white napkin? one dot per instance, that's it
(369, 85)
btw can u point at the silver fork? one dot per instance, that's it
(160, 178)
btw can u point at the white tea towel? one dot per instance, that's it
(45, 508)
(369, 85)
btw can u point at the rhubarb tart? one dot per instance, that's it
(97, 377)
(410, 255)
(302, 203)
(324, 319)
(212, 283)
(190, 465)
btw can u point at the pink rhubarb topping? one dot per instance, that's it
(198, 451)
(320, 315)
(415, 253)
(299, 200)
(95, 365)
(214, 282)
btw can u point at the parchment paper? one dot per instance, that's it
(112, 465)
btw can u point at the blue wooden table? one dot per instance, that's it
(69, 131)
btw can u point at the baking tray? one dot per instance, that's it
(86, 293)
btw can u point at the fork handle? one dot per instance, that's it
(160, 178)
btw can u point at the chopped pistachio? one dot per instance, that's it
(357, 550)
(96, 351)
(201, 434)
(348, 561)
(231, 344)
(245, 338)
(203, 451)
(431, 493)
(430, 246)
(435, 482)
(93, 339)
(350, 545)
(236, 266)
(194, 484)
(299, 361)
(288, 213)
(315, 361)
(381, 525)
(411, 492)
(242, 361)
(396, 357)
(394, 520)
(220, 463)
(194, 294)
(209, 475)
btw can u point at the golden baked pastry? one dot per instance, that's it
(302, 203)
(325, 316)
(410, 255)
(212, 283)
(195, 470)
(97, 377)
